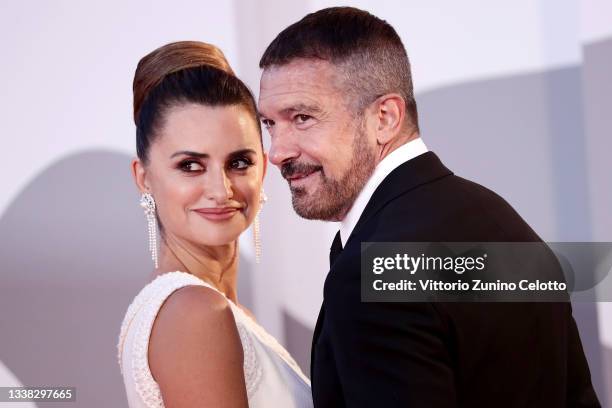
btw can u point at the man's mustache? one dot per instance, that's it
(291, 169)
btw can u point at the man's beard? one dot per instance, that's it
(333, 198)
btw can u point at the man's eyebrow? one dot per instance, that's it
(300, 107)
(190, 153)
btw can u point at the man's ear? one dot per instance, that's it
(390, 110)
(139, 173)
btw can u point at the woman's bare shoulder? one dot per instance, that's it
(197, 298)
(194, 343)
(195, 310)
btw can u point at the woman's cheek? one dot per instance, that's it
(188, 192)
(176, 200)
(250, 191)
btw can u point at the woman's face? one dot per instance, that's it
(205, 172)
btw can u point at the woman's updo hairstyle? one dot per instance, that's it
(178, 73)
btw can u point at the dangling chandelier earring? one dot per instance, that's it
(148, 204)
(256, 231)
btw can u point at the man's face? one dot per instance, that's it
(322, 148)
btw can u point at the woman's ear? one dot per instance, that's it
(139, 173)
(390, 112)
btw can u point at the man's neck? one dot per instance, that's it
(412, 148)
(395, 144)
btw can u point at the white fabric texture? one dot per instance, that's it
(273, 379)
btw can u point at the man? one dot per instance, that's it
(336, 96)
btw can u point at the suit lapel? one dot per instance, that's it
(409, 175)
(315, 336)
(334, 252)
(423, 169)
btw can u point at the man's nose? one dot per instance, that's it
(283, 147)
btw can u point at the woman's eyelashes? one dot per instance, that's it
(236, 163)
(190, 166)
(240, 163)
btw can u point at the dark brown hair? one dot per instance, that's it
(183, 72)
(367, 50)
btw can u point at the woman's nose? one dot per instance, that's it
(219, 187)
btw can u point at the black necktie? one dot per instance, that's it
(335, 249)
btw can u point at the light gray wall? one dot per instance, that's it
(597, 108)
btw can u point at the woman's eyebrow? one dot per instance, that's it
(190, 153)
(242, 152)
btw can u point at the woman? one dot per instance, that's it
(185, 340)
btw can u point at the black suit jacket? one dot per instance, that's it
(441, 354)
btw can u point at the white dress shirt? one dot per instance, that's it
(397, 157)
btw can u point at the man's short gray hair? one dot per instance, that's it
(368, 52)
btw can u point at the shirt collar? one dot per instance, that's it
(397, 157)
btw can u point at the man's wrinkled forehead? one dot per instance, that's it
(299, 75)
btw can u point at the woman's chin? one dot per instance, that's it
(221, 238)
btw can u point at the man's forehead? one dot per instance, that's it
(299, 85)
(297, 74)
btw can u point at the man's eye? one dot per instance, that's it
(301, 118)
(241, 164)
(191, 166)
(267, 123)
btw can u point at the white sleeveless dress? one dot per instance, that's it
(273, 379)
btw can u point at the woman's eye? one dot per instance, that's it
(191, 166)
(240, 164)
